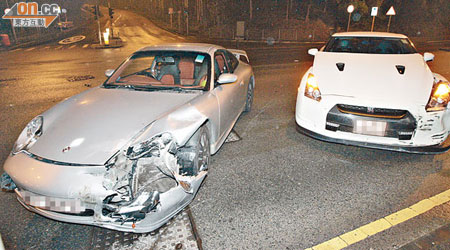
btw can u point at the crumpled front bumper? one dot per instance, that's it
(172, 202)
(82, 185)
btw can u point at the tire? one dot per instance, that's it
(250, 94)
(202, 150)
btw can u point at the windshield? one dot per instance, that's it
(157, 70)
(370, 45)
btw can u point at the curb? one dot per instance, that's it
(114, 43)
(98, 46)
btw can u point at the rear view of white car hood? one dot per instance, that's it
(374, 77)
(90, 127)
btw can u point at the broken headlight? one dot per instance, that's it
(440, 97)
(312, 89)
(151, 146)
(29, 134)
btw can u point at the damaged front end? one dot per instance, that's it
(138, 190)
(140, 174)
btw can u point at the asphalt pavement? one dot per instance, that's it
(273, 189)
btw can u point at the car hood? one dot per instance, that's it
(90, 127)
(374, 77)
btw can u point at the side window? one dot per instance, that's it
(220, 65)
(232, 61)
(244, 59)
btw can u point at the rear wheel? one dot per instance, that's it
(250, 93)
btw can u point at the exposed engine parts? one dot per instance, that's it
(147, 169)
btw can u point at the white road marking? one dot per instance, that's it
(30, 49)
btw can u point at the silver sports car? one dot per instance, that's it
(131, 153)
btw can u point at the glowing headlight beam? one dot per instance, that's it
(440, 97)
(312, 89)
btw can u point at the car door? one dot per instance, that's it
(242, 81)
(227, 94)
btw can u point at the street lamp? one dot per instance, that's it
(350, 10)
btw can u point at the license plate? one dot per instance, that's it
(52, 203)
(370, 128)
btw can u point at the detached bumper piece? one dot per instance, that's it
(134, 210)
(390, 123)
(434, 149)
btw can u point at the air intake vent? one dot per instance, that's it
(340, 66)
(372, 112)
(401, 69)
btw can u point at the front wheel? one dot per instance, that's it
(202, 150)
(250, 93)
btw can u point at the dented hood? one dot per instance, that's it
(90, 127)
(374, 77)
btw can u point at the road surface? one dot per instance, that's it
(274, 189)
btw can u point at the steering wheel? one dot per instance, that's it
(146, 72)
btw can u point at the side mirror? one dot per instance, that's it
(313, 51)
(227, 78)
(109, 72)
(428, 57)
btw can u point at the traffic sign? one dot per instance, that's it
(391, 11)
(350, 8)
(374, 11)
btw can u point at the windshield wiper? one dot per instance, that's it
(116, 86)
(177, 88)
(149, 87)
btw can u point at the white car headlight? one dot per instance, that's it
(440, 97)
(29, 134)
(312, 89)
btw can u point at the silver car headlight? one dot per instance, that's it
(149, 146)
(440, 97)
(29, 134)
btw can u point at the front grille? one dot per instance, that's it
(372, 112)
(353, 119)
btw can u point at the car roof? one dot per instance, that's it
(369, 34)
(199, 47)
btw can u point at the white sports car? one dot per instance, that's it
(131, 153)
(374, 90)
